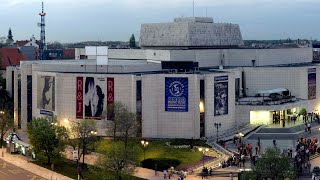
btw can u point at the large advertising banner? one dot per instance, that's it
(94, 97)
(176, 94)
(110, 97)
(46, 93)
(312, 81)
(220, 95)
(79, 98)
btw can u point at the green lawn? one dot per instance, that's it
(68, 168)
(158, 149)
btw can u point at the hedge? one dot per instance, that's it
(162, 163)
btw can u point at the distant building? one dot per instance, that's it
(10, 38)
(30, 48)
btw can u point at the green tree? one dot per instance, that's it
(47, 137)
(303, 111)
(83, 134)
(118, 161)
(6, 102)
(272, 165)
(132, 42)
(6, 123)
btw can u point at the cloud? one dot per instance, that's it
(161, 4)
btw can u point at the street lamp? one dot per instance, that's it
(144, 144)
(203, 150)
(217, 125)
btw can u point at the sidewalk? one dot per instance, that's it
(22, 162)
(149, 174)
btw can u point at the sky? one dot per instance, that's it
(111, 20)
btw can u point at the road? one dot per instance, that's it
(11, 172)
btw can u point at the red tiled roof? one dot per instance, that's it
(21, 43)
(24, 42)
(10, 57)
(69, 53)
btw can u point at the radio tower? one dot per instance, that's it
(42, 46)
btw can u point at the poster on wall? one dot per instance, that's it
(110, 97)
(176, 94)
(312, 81)
(94, 97)
(79, 98)
(220, 95)
(46, 93)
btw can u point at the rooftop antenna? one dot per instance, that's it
(193, 8)
(42, 46)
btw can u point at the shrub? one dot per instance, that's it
(162, 163)
(190, 142)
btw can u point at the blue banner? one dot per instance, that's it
(176, 94)
(220, 95)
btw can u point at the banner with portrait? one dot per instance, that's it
(220, 95)
(312, 83)
(94, 97)
(46, 93)
(176, 94)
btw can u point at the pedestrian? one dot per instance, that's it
(274, 143)
(165, 174)
(231, 176)
(156, 169)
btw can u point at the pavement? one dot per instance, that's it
(150, 174)
(25, 168)
(9, 171)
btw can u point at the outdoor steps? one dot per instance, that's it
(227, 136)
(316, 155)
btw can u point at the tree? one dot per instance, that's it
(124, 123)
(6, 123)
(47, 137)
(55, 45)
(84, 134)
(117, 160)
(272, 165)
(132, 42)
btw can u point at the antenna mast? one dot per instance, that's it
(42, 46)
(193, 8)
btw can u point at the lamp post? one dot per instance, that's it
(144, 144)
(217, 125)
(203, 150)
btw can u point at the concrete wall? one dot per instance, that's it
(158, 123)
(227, 121)
(190, 32)
(266, 78)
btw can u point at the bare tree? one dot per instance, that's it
(117, 160)
(124, 123)
(84, 134)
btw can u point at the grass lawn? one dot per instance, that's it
(68, 168)
(158, 149)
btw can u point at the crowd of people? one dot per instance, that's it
(304, 148)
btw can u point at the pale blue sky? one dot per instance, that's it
(81, 20)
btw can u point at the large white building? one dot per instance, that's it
(181, 100)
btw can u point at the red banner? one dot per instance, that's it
(79, 97)
(110, 96)
(110, 92)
